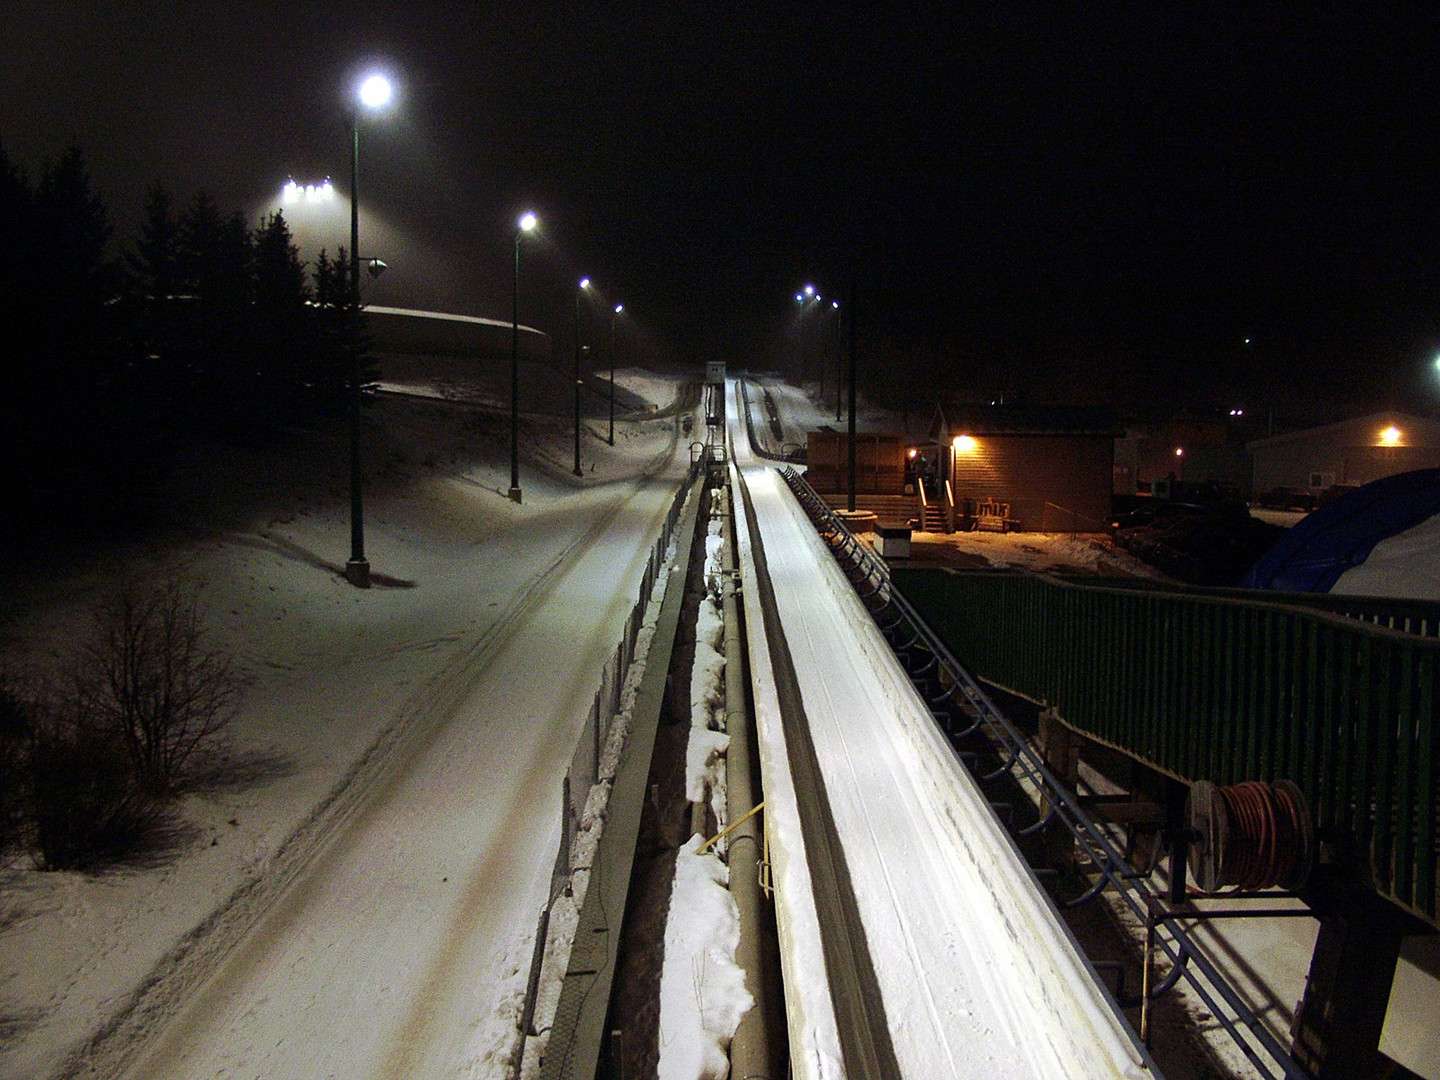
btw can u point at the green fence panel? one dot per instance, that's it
(1227, 685)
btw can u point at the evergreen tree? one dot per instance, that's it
(342, 346)
(75, 446)
(153, 270)
(282, 322)
(214, 263)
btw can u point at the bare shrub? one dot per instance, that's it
(152, 679)
(82, 801)
(15, 729)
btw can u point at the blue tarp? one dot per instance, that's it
(1339, 535)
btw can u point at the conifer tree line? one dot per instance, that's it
(117, 356)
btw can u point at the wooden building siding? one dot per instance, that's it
(879, 462)
(1053, 483)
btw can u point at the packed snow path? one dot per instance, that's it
(401, 949)
(977, 976)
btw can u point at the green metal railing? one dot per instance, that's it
(1224, 687)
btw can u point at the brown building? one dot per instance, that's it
(1053, 467)
(1352, 452)
(879, 462)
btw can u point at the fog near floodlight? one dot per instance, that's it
(375, 91)
(528, 222)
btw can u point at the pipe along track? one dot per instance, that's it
(606, 1024)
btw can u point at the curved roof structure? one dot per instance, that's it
(1370, 541)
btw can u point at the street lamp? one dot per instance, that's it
(619, 308)
(374, 92)
(584, 284)
(527, 223)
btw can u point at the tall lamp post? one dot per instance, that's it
(618, 309)
(374, 93)
(527, 223)
(579, 291)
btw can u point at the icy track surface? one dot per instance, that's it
(978, 976)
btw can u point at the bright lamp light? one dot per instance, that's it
(375, 91)
(964, 443)
(528, 222)
(1390, 436)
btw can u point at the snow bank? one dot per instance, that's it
(702, 990)
(704, 775)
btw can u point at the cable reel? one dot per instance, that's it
(1248, 836)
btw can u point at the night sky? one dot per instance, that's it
(1059, 199)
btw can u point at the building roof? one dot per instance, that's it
(1093, 420)
(1368, 424)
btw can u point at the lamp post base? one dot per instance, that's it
(515, 494)
(357, 572)
(579, 471)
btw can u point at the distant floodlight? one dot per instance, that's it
(809, 290)
(293, 193)
(835, 304)
(375, 91)
(619, 308)
(1179, 451)
(799, 299)
(1390, 436)
(528, 222)
(584, 283)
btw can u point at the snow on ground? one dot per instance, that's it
(294, 858)
(1084, 553)
(702, 989)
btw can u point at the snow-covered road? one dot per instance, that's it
(977, 975)
(401, 946)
